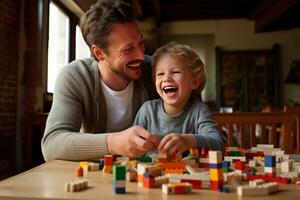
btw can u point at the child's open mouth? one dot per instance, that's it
(170, 90)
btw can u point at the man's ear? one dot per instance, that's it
(98, 52)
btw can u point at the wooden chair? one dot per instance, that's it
(295, 125)
(258, 127)
(35, 126)
(296, 112)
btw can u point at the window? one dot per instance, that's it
(58, 43)
(82, 49)
(65, 41)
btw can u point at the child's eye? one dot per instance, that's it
(176, 72)
(160, 74)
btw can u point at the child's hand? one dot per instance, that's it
(176, 142)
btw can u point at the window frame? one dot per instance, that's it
(73, 21)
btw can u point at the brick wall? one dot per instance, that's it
(9, 50)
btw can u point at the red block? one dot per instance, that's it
(203, 152)
(251, 155)
(162, 160)
(180, 190)
(195, 184)
(108, 160)
(203, 165)
(148, 182)
(271, 174)
(267, 178)
(239, 165)
(216, 185)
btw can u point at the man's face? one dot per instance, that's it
(125, 51)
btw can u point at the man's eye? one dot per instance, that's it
(128, 49)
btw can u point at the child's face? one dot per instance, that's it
(174, 82)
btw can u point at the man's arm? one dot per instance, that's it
(62, 139)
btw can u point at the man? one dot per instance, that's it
(95, 100)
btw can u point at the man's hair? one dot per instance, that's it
(187, 56)
(97, 23)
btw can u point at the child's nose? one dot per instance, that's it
(168, 78)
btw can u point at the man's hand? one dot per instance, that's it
(176, 142)
(132, 142)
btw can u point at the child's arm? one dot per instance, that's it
(206, 131)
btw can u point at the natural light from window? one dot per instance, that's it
(82, 49)
(58, 44)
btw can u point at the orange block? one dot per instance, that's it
(173, 165)
(174, 170)
(79, 171)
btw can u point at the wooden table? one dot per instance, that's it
(47, 182)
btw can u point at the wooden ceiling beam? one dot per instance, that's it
(156, 8)
(273, 13)
(261, 8)
(138, 8)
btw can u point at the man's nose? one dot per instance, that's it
(139, 53)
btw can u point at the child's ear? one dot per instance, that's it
(98, 52)
(195, 83)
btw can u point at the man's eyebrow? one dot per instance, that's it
(126, 46)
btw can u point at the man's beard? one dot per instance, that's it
(122, 74)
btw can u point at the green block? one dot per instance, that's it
(252, 171)
(145, 159)
(119, 172)
(225, 170)
(234, 153)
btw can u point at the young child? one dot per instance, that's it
(179, 118)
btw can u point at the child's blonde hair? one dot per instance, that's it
(187, 56)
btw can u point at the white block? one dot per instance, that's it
(287, 166)
(215, 157)
(270, 169)
(120, 184)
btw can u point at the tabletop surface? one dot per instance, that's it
(47, 182)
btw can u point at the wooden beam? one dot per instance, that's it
(74, 7)
(138, 8)
(261, 8)
(272, 14)
(156, 8)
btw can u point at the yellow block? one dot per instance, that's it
(216, 174)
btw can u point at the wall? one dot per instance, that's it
(9, 34)
(238, 34)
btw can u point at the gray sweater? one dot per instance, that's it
(76, 125)
(196, 118)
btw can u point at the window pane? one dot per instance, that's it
(82, 49)
(58, 44)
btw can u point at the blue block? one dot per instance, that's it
(120, 190)
(147, 175)
(225, 164)
(101, 164)
(270, 161)
(215, 166)
(224, 189)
